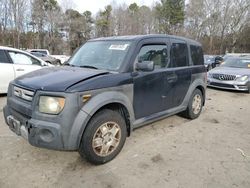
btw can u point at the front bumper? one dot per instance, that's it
(59, 132)
(38, 133)
(230, 85)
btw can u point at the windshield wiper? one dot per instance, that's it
(88, 66)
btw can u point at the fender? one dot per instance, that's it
(90, 108)
(197, 82)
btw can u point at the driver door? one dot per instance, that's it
(150, 91)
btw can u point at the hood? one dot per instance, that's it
(56, 78)
(230, 70)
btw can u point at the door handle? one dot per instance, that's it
(20, 70)
(172, 78)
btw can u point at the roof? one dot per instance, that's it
(140, 37)
(9, 48)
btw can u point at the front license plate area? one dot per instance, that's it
(14, 125)
(17, 127)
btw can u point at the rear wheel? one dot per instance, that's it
(104, 137)
(195, 105)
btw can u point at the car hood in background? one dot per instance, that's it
(230, 70)
(56, 78)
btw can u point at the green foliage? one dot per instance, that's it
(79, 27)
(50, 5)
(170, 13)
(103, 22)
(133, 8)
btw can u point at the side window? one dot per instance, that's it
(179, 55)
(196, 55)
(155, 53)
(3, 57)
(38, 54)
(19, 58)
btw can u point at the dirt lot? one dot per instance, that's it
(211, 151)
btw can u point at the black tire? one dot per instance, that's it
(93, 128)
(190, 112)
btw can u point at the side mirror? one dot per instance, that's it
(146, 66)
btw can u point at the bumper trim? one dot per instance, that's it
(228, 88)
(37, 133)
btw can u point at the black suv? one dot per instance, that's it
(108, 88)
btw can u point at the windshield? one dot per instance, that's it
(107, 55)
(236, 62)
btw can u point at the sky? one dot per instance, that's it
(95, 5)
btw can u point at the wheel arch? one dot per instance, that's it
(203, 92)
(113, 100)
(121, 108)
(196, 84)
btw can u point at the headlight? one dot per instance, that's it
(242, 78)
(51, 105)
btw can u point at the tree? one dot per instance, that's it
(134, 20)
(46, 17)
(88, 22)
(74, 28)
(220, 25)
(170, 15)
(103, 22)
(215, 21)
(12, 14)
(194, 19)
(146, 20)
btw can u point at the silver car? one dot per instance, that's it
(233, 74)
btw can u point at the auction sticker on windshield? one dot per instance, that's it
(118, 46)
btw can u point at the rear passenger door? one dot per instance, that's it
(179, 63)
(6, 71)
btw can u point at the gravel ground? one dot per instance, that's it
(211, 151)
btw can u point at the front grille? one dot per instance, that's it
(222, 85)
(226, 77)
(23, 93)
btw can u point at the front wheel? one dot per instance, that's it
(195, 105)
(104, 137)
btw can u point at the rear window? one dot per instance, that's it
(197, 55)
(3, 57)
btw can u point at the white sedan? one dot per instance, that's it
(14, 63)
